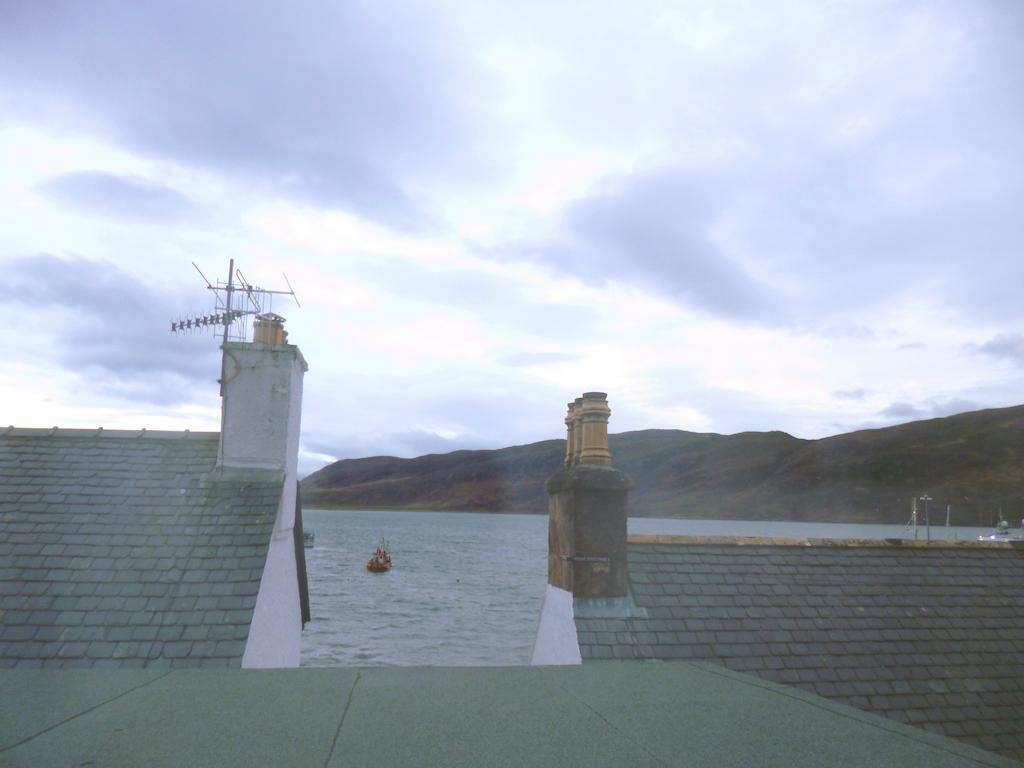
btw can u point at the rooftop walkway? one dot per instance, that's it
(613, 713)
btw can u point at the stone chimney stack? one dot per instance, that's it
(262, 407)
(587, 506)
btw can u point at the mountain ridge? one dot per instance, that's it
(972, 461)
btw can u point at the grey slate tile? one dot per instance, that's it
(180, 648)
(230, 648)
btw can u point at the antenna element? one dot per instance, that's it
(234, 304)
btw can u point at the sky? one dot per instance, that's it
(730, 216)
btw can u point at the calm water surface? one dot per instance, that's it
(466, 588)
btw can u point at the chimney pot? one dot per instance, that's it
(268, 328)
(594, 413)
(570, 418)
(577, 430)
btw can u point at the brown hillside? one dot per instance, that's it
(972, 461)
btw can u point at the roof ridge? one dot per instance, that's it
(778, 541)
(160, 434)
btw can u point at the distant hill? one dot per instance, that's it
(972, 461)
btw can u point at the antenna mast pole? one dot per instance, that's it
(227, 324)
(231, 273)
(223, 363)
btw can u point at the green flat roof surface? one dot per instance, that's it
(601, 714)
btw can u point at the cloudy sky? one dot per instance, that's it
(730, 216)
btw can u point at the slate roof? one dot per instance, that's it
(929, 635)
(123, 549)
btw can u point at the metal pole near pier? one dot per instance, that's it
(927, 518)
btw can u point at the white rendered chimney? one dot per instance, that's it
(260, 419)
(262, 407)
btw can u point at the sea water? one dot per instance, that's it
(466, 588)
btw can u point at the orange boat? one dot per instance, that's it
(381, 560)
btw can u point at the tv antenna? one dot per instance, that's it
(235, 302)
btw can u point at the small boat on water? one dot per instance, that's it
(308, 538)
(1004, 533)
(381, 560)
